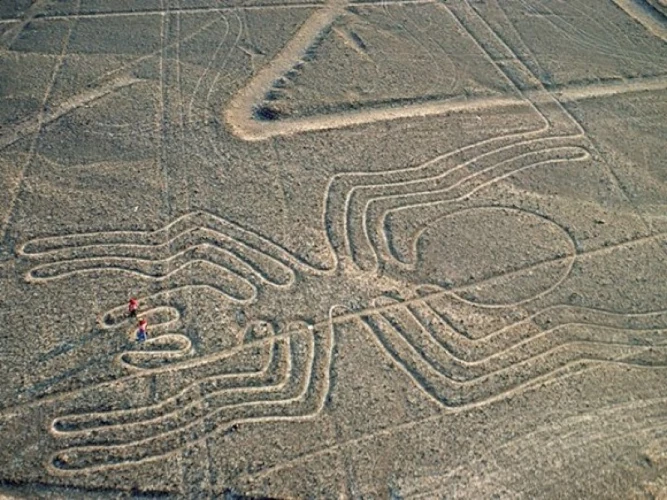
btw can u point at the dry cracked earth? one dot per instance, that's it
(393, 249)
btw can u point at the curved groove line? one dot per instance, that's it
(184, 350)
(604, 417)
(464, 196)
(126, 250)
(425, 371)
(527, 340)
(132, 452)
(116, 418)
(211, 403)
(310, 382)
(433, 383)
(132, 266)
(208, 222)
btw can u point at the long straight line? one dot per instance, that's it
(250, 129)
(645, 14)
(162, 112)
(41, 120)
(355, 315)
(195, 10)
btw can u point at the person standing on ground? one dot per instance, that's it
(142, 333)
(132, 307)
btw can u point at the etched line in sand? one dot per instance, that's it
(404, 426)
(473, 183)
(292, 385)
(120, 448)
(409, 338)
(606, 425)
(10, 36)
(161, 116)
(625, 86)
(241, 110)
(251, 129)
(29, 126)
(230, 252)
(196, 249)
(117, 317)
(367, 209)
(42, 115)
(250, 258)
(646, 15)
(99, 441)
(214, 391)
(658, 5)
(203, 9)
(165, 344)
(572, 33)
(439, 180)
(216, 69)
(124, 67)
(293, 380)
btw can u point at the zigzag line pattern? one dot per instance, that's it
(165, 346)
(291, 384)
(196, 249)
(459, 371)
(454, 369)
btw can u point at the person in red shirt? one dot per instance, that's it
(142, 333)
(132, 307)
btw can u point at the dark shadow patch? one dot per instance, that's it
(46, 490)
(230, 494)
(267, 114)
(273, 95)
(358, 41)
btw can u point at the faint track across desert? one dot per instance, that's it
(293, 381)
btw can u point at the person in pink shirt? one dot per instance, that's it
(132, 307)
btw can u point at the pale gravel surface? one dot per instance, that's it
(404, 249)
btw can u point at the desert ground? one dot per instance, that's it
(394, 249)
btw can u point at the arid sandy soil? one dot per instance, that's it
(394, 249)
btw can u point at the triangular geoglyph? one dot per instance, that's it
(351, 64)
(356, 63)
